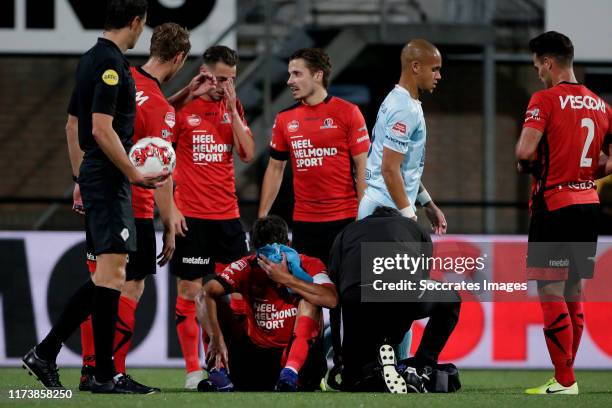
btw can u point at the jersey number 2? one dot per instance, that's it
(587, 123)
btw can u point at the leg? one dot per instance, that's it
(130, 295)
(187, 325)
(305, 332)
(573, 296)
(557, 329)
(109, 279)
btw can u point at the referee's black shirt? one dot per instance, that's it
(345, 256)
(104, 84)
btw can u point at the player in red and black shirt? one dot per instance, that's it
(565, 145)
(282, 325)
(155, 117)
(327, 140)
(210, 127)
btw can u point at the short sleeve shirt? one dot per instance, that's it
(321, 140)
(105, 85)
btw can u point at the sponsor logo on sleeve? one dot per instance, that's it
(399, 129)
(110, 77)
(170, 119)
(533, 114)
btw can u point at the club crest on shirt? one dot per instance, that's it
(399, 129)
(293, 126)
(194, 120)
(226, 118)
(170, 119)
(328, 123)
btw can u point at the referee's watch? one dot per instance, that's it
(75, 178)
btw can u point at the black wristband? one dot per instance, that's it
(75, 178)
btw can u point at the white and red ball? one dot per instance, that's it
(153, 155)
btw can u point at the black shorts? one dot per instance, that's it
(316, 238)
(207, 242)
(107, 199)
(254, 368)
(563, 243)
(142, 262)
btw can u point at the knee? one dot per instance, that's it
(189, 289)
(133, 289)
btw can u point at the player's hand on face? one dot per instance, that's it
(77, 201)
(278, 272)
(217, 355)
(437, 219)
(169, 246)
(203, 82)
(230, 94)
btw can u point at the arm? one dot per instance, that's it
(165, 203)
(74, 149)
(243, 140)
(526, 149)
(318, 295)
(206, 302)
(199, 85)
(361, 161)
(271, 185)
(76, 158)
(435, 215)
(605, 162)
(391, 163)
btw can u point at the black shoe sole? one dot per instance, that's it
(31, 373)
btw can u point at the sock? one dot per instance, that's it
(558, 335)
(76, 311)
(124, 331)
(306, 330)
(104, 318)
(188, 331)
(577, 317)
(87, 343)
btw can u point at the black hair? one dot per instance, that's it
(120, 13)
(382, 211)
(269, 230)
(555, 45)
(316, 60)
(220, 53)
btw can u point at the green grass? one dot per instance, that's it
(501, 388)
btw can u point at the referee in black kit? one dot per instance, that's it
(369, 325)
(101, 113)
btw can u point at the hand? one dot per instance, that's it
(169, 246)
(179, 223)
(217, 354)
(77, 201)
(151, 180)
(230, 94)
(436, 217)
(278, 272)
(203, 82)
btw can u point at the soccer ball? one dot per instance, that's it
(153, 155)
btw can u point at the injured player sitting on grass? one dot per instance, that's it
(281, 347)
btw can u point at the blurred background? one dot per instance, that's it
(474, 119)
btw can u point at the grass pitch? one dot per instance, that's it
(481, 388)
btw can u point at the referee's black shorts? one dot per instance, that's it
(563, 243)
(316, 238)
(107, 199)
(140, 263)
